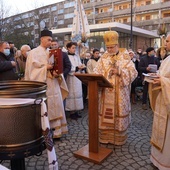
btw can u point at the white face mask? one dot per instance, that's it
(6, 52)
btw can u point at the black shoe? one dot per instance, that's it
(73, 116)
(56, 139)
(78, 115)
(144, 106)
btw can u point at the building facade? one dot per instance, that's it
(146, 14)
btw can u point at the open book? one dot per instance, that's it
(149, 77)
(153, 67)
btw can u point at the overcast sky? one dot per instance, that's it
(19, 6)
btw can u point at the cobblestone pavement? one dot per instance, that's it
(134, 155)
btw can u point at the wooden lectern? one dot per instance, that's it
(92, 151)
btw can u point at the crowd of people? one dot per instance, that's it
(123, 68)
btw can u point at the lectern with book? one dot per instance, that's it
(92, 151)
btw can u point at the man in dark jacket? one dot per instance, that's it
(143, 67)
(7, 65)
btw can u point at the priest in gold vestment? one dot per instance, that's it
(115, 108)
(159, 93)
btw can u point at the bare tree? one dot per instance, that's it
(25, 28)
(4, 13)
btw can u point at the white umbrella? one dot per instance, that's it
(80, 31)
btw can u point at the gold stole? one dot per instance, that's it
(109, 108)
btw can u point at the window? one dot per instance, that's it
(17, 18)
(67, 16)
(120, 7)
(70, 4)
(155, 1)
(166, 14)
(70, 25)
(110, 10)
(60, 22)
(46, 20)
(125, 7)
(129, 19)
(101, 10)
(43, 11)
(142, 18)
(125, 20)
(148, 2)
(54, 8)
(154, 16)
(25, 16)
(61, 11)
(148, 17)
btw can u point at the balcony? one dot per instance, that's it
(103, 15)
(151, 22)
(124, 12)
(152, 7)
(97, 4)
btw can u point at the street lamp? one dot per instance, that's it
(131, 27)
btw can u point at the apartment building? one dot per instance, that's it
(146, 14)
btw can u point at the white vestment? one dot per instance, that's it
(36, 70)
(160, 103)
(74, 101)
(91, 64)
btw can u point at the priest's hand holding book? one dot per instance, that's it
(50, 66)
(152, 78)
(157, 81)
(82, 66)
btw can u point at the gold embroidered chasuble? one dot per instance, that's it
(160, 104)
(114, 103)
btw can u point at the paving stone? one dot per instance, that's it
(40, 163)
(39, 167)
(31, 164)
(134, 155)
(64, 167)
(86, 166)
(142, 163)
(136, 165)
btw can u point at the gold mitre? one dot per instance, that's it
(111, 38)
